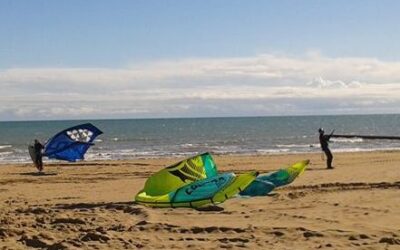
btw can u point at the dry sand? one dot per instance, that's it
(90, 205)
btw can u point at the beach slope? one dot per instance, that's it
(90, 205)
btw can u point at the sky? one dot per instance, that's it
(149, 59)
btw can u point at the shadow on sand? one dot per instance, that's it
(210, 209)
(38, 174)
(125, 207)
(106, 205)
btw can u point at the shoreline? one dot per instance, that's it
(184, 156)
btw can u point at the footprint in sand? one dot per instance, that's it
(35, 242)
(117, 228)
(4, 233)
(33, 210)
(352, 238)
(390, 241)
(310, 234)
(278, 233)
(95, 236)
(68, 221)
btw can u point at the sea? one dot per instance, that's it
(183, 137)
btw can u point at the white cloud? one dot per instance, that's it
(261, 85)
(319, 82)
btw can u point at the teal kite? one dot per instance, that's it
(195, 182)
(264, 184)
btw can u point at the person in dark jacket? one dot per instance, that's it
(38, 152)
(324, 141)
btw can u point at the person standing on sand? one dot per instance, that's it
(323, 140)
(38, 152)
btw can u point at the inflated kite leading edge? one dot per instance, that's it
(264, 184)
(213, 190)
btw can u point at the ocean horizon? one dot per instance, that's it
(181, 137)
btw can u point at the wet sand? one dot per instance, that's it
(90, 205)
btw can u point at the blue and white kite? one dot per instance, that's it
(72, 143)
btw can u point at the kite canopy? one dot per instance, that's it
(182, 173)
(266, 183)
(72, 143)
(287, 175)
(200, 193)
(258, 188)
(193, 182)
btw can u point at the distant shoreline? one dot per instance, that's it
(184, 156)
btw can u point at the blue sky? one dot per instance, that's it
(114, 33)
(129, 46)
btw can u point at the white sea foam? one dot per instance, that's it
(365, 149)
(272, 151)
(294, 145)
(6, 153)
(124, 154)
(347, 140)
(11, 158)
(5, 146)
(97, 156)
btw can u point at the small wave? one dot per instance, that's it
(347, 140)
(339, 150)
(272, 151)
(5, 146)
(295, 145)
(6, 153)
(98, 140)
(365, 149)
(10, 158)
(98, 156)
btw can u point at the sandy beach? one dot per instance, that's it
(90, 205)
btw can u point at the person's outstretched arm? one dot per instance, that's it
(330, 135)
